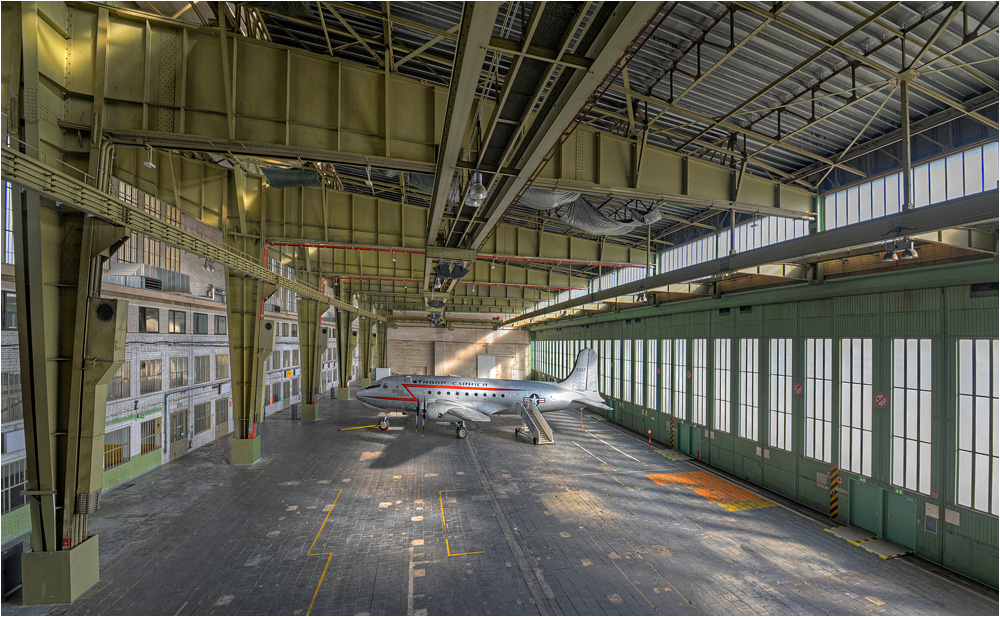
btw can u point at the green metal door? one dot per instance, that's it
(866, 506)
(683, 438)
(901, 519)
(178, 433)
(695, 441)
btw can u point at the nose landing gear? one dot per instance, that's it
(461, 432)
(383, 425)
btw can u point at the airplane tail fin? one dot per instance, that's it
(584, 375)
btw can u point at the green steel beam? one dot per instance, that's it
(971, 210)
(30, 174)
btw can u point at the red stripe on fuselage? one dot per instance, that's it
(413, 397)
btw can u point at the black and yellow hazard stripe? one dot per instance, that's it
(671, 431)
(834, 495)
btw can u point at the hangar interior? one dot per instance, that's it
(775, 223)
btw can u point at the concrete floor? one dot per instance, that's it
(364, 522)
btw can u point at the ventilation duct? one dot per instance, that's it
(284, 178)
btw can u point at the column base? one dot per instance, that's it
(246, 451)
(309, 412)
(58, 577)
(344, 394)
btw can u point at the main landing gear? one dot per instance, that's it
(461, 432)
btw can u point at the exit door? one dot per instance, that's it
(486, 367)
(178, 434)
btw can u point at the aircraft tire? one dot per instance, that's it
(462, 433)
(383, 425)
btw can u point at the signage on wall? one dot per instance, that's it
(881, 399)
(689, 374)
(797, 388)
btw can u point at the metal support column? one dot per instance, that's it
(313, 342)
(251, 341)
(366, 345)
(904, 110)
(381, 343)
(345, 350)
(71, 343)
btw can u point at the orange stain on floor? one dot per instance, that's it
(724, 494)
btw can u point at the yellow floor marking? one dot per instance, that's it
(444, 524)
(451, 554)
(328, 555)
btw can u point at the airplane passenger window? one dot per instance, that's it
(477, 394)
(501, 396)
(466, 394)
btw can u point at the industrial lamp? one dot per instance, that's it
(477, 191)
(150, 162)
(899, 250)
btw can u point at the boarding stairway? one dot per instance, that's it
(534, 424)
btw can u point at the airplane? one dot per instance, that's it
(457, 400)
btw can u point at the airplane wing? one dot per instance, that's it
(467, 413)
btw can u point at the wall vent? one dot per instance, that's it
(724, 311)
(983, 290)
(746, 309)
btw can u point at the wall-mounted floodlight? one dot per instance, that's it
(442, 270)
(459, 271)
(150, 162)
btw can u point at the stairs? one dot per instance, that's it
(534, 424)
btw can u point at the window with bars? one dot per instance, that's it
(295, 357)
(295, 387)
(978, 470)
(149, 319)
(120, 385)
(222, 366)
(220, 324)
(9, 311)
(286, 390)
(10, 395)
(964, 173)
(640, 371)
(149, 435)
(221, 411)
(202, 369)
(8, 227)
(276, 392)
(667, 375)
(856, 405)
(202, 417)
(617, 381)
(176, 322)
(652, 366)
(117, 447)
(150, 376)
(699, 381)
(819, 399)
(627, 370)
(680, 378)
(295, 326)
(286, 358)
(178, 425)
(911, 414)
(723, 384)
(15, 481)
(749, 395)
(780, 395)
(608, 364)
(178, 372)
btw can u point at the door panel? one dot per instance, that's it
(866, 506)
(178, 434)
(900, 519)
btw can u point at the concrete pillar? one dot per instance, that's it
(313, 341)
(72, 342)
(382, 344)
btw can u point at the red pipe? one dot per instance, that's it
(483, 257)
(401, 280)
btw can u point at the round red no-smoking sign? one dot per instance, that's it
(797, 388)
(881, 400)
(689, 374)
